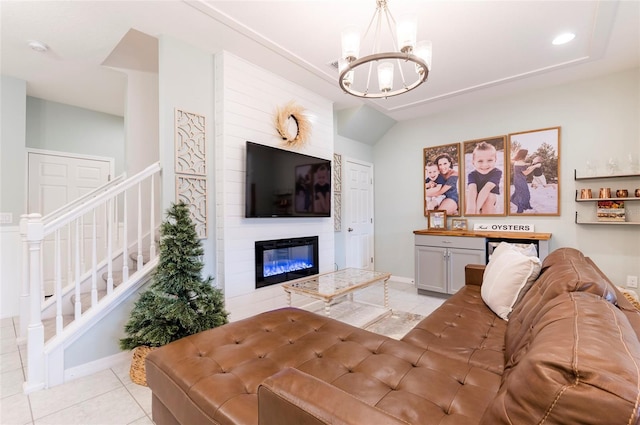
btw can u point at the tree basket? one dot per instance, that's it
(632, 299)
(137, 373)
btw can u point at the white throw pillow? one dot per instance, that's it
(527, 249)
(508, 271)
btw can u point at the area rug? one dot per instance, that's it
(396, 325)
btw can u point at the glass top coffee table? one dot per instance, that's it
(329, 286)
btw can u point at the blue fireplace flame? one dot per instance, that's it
(285, 260)
(285, 266)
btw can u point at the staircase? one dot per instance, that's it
(80, 263)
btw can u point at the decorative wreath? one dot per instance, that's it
(284, 116)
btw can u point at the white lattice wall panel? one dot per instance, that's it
(337, 192)
(190, 144)
(192, 191)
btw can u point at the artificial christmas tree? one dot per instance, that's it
(179, 301)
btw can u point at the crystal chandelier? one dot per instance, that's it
(400, 70)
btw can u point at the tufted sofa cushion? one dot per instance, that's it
(580, 365)
(565, 270)
(463, 328)
(213, 377)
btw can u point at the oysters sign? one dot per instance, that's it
(503, 227)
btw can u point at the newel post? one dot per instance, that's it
(35, 328)
(24, 281)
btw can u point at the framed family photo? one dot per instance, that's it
(534, 174)
(485, 176)
(441, 182)
(437, 220)
(458, 224)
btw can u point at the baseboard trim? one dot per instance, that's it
(95, 366)
(401, 279)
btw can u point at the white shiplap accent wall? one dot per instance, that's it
(246, 98)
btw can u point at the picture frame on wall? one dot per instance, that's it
(437, 220)
(441, 183)
(534, 174)
(485, 176)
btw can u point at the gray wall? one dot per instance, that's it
(12, 163)
(349, 149)
(599, 119)
(64, 128)
(12, 189)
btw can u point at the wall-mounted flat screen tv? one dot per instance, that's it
(281, 183)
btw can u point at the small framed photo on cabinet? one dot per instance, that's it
(458, 224)
(437, 220)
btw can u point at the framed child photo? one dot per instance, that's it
(534, 175)
(437, 220)
(485, 176)
(441, 183)
(459, 224)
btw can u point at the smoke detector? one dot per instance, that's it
(333, 65)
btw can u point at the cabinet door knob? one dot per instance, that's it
(349, 229)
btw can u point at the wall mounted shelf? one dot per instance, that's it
(613, 177)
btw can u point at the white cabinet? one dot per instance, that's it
(440, 261)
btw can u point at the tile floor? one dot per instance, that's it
(109, 397)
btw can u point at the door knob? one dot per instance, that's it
(349, 229)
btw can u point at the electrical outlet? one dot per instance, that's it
(632, 281)
(6, 218)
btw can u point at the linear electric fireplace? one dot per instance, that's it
(285, 259)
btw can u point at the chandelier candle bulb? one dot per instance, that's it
(350, 44)
(348, 78)
(407, 30)
(423, 51)
(385, 76)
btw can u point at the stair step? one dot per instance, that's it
(85, 299)
(117, 277)
(146, 255)
(50, 325)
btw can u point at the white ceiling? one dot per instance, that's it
(481, 49)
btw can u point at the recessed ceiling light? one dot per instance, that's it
(38, 46)
(563, 38)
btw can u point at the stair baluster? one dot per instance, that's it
(125, 241)
(78, 303)
(140, 260)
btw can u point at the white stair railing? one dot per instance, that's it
(69, 247)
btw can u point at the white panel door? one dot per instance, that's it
(54, 181)
(359, 214)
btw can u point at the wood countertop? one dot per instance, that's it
(481, 234)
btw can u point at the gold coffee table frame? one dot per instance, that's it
(329, 286)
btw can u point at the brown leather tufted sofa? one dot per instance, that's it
(569, 354)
